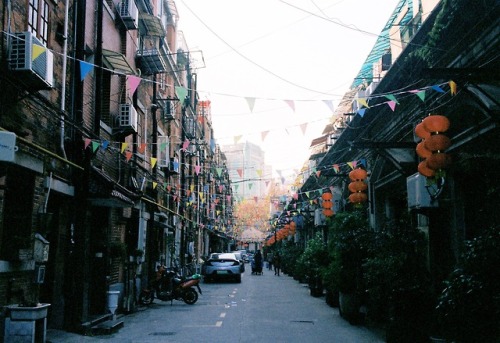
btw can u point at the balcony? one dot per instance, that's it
(151, 61)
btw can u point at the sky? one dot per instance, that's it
(275, 70)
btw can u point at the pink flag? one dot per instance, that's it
(133, 83)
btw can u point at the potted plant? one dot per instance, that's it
(468, 309)
(349, 239)
(314, 258)
(398, 284)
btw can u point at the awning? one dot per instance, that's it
(105, 192)
(116, 62)
(150, 25)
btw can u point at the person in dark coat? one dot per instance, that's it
(258, 259)
(277, 264)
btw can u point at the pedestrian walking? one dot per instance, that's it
(277, 264)
(270, 261)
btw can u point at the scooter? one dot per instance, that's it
(170, 286)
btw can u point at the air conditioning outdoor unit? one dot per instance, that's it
(129, 14)
(418, 194)
(319, 217)
(128, 117)
(168, 111)
(31, 60)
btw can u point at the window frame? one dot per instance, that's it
(39, 19)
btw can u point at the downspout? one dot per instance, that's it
(63, 88)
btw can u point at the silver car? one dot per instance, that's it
(222, 266)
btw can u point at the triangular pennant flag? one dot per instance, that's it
(329, 103)
(256, 199)
(86, 143)
(318, 173)
(259, 172)
(191, 187)
(197, 169)
(237, 139)
(185, 145)
(363, 162)
(240, 172)
(95, 146)
(124, 146)
(251, 103)
(155, 184)
(133, 83)
(304, 128)
(291, 104)
(438, 89)
(85, 68)
(141, 148)
(453, 87)
(336, 168)
(250, 185)
(128, 155)
(392, 97)
(36, 51)
(361, 112)
(350, 164)
(181, 93)
(104, 145)
(219, 171)
(363, 102)
(153, 161)
(201, 119)
(392, 105)
(421, 95)
(264, 135)
(354, 164)
(307, 194)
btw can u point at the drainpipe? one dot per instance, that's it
(63, 88)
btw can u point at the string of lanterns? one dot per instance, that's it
(431, 148)
(358, 186)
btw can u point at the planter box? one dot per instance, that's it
(26, 313)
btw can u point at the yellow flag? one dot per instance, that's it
(153, 162)
(453, 87)
(124, 146)
(155, 184)
(363, 102)
(36, 51)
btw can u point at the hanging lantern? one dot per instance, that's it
(425, 170)
(421, 132)
(422, 151)
(357, 186)
(437, 142)
(358, 197)
(436, 123)
(327, 196)
(438, 161)
(358, 174)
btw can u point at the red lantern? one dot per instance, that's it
(436, 123)
(422, 150)
(421, 132)
(438, 161)
(358, 197)
(437, 143)
(357, 186)
(425, 170)
(358, 174)
(328, 212)
(326, 196)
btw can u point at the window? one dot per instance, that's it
(38, 19)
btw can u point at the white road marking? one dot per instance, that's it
(223, 315)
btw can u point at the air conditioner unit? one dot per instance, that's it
(418, 194)
(129, 14)
(163, 152)
(32, 61)
(168, 111)
(128, 117)
(319, 217)
(174, 167)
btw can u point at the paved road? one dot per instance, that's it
(263, 308)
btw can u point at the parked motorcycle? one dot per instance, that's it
(170, 286)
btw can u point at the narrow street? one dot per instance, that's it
(263, 308)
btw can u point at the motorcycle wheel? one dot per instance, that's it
(190, 296)
(146, 298)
